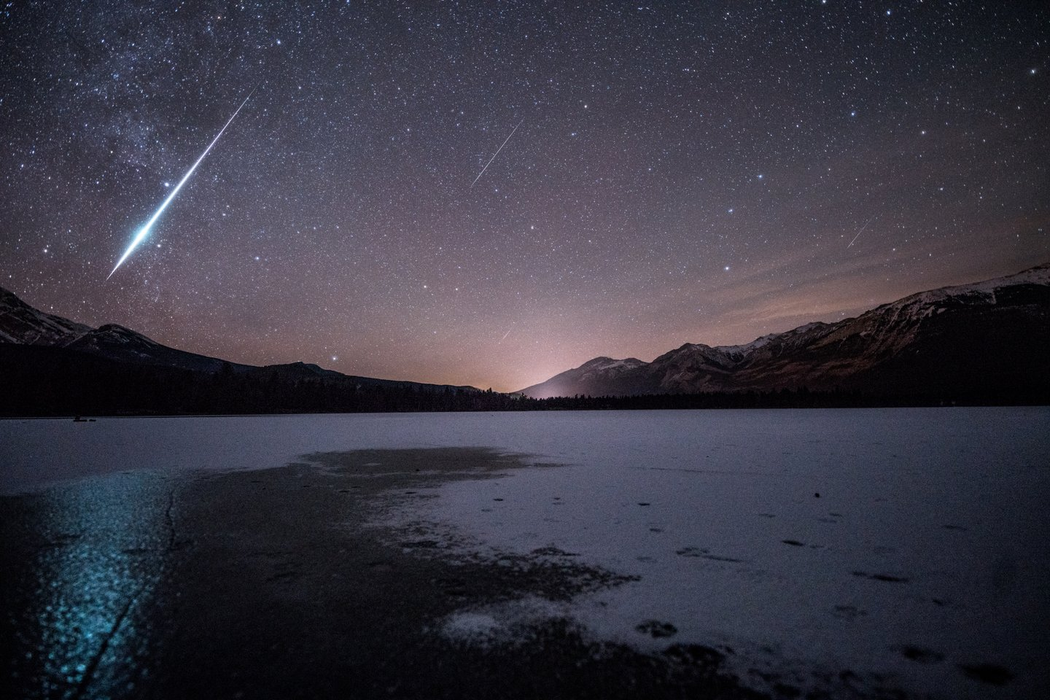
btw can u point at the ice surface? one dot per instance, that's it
(501, 623)
(38, 452)
(924, 552)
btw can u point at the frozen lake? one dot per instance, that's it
(922, 563)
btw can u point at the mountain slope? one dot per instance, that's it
(125, 345)
(22, 325)
(992, 336)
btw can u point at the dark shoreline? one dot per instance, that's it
(36, 381)
(93, 417)
(274, 583)
(747, 401)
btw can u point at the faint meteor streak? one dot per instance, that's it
(860, 232)
(144, 231)
(505, 335)
(495, 154)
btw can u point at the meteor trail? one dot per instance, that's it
(860, 232)
(144, 231)
(495, 154)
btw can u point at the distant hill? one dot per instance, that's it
(991, 338)
(51, 365)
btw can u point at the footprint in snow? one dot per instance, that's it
(657, 629)
(849, 612)
(987, 673)
(705, 554)
(552, 551)
(920, 655)
(881, 577)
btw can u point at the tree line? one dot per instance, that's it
(36, 381)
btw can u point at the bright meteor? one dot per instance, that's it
(144, 231)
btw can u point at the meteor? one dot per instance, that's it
(495, 154)
(860, 232)
(144, 231)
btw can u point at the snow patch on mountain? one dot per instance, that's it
(22, 324)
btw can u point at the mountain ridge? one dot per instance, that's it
(881, 349)
(986, 341)
(24, 325)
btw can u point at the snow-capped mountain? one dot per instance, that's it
(592, 378)
(125, 345)
(977, 337)
(21, 323)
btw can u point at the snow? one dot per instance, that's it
(755, 344)
(923, 304)
(629, 363)
(604, 364)
(1037, 275)
(502, 623)
(32, 327)
(928, 538)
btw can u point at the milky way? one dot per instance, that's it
(684, 172)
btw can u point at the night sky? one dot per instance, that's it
(680, 172)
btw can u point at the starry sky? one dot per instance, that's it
(678, 172)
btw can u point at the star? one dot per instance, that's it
(348, 173)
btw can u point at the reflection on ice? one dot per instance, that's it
(96, 561)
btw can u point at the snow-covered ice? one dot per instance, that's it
(924, 552)
(503, 623)
(922, 562)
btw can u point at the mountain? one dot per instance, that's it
(22, 324)
(594, 378)
(39, 346)
(988, 338)
(125, 345)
